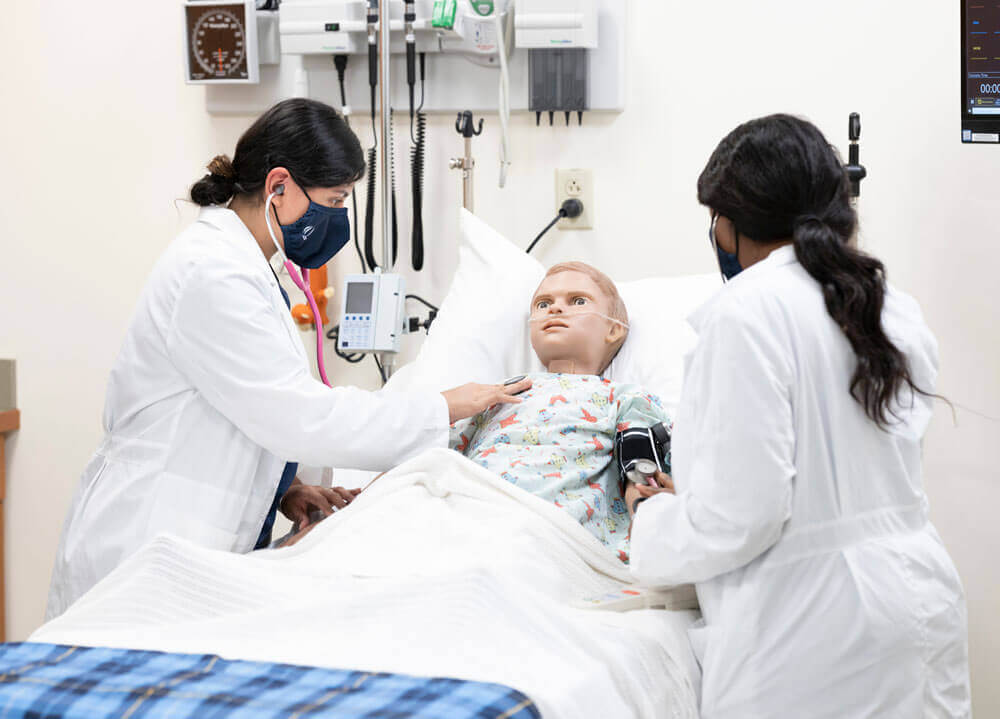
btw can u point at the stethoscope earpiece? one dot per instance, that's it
(279, 190)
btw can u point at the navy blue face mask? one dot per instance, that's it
(729, 262)
(313, 239)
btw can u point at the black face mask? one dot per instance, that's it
(729, 262)
(313, 239)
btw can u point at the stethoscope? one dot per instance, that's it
(301, 280)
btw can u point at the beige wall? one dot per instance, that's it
(100, 136)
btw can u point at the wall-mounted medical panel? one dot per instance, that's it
(462, 63)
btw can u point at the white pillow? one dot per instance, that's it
(481, 333)
(659, 335)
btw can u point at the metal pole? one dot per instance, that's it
(384, 55)
(385, 108)
(468, 165)
(465, 127)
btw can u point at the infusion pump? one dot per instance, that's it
(372, 313)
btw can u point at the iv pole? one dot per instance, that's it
(385, 108)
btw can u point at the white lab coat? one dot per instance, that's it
(209, 397)
(825, 590)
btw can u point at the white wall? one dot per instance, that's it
(100, 136)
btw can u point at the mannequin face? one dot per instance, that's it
(565, 334)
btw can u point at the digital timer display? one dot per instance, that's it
(980, 71)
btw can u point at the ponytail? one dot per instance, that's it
(778, 179)
(853, 286)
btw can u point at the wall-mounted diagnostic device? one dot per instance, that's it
(980, 71)
(221, 40)
(558, 35)
(372, 309)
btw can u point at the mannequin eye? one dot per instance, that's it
(542, 304)
(579, 301)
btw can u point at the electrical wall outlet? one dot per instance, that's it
(576, 184)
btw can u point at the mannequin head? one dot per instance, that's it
(578, 320)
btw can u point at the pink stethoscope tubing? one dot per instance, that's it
(302, 282)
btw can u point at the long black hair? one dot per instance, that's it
(777, 178)
(308, 138)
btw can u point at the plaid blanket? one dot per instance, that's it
(48, 681)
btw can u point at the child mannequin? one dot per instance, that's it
(558, 442)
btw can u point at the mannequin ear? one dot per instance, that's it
(615, 334)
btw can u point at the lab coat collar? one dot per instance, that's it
(224, 219)
(784, 255)
(230, 224)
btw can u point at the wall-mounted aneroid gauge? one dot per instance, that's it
(221, 41)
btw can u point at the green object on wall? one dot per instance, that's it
(444, 14)
(483, 7)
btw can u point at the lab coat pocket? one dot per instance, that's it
(196, 511)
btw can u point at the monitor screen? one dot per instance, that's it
(359, 297)
(980, 71)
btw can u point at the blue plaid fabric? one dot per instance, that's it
(48, 681)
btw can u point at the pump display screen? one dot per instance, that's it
(359, 298)
(980, 71)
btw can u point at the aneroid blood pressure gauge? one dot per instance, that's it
(221, 42)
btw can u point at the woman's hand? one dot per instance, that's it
(471, 399)
(635, 492)
(301, 499)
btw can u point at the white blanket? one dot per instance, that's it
(439, 569)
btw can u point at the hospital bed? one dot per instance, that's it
(439, 569)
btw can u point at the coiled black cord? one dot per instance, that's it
(418, 136)
(390, 148)
(370, 201)
(417, 181)
(370, 204)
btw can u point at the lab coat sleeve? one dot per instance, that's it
(227, 339)
(736, 471)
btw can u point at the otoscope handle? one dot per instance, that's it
(465, 126)
(856, 172)
(854, 127)
(373, 65)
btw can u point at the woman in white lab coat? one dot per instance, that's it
(211, 402)
(799, 509)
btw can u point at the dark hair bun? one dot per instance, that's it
(219, 186)
(222, 166)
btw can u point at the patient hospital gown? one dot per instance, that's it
(558, 444)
